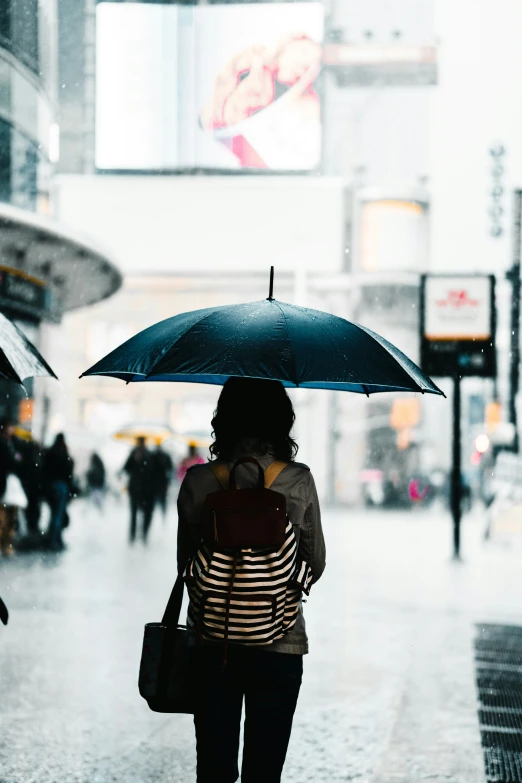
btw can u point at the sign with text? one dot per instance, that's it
(22, 294)
(458, 325)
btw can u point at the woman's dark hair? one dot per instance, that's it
(252, 408)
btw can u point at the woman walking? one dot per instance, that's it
(58, 469)
(12, 496)
(96, 480)
(254, 418)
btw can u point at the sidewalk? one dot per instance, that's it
(388, 693)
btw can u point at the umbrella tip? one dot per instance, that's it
(271, 288)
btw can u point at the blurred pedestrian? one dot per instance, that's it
(161, 475)
(418, 490)
(193, 458)
(31, 476)
(96, 480)
(58, 485)
(139, 468)
(254, 418)
(12, 496)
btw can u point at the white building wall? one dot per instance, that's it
(209, 224)
(476, 104)
(185, 243)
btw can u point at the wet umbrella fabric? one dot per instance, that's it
(19, 359)
(4, 614)
(267, 339)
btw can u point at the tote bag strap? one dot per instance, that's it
(170, 621)
(173, 609)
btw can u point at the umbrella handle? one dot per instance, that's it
(241, 461)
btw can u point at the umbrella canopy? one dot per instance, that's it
(267, 339)
(4, 614)
(198, 441)
(19, 359)
(151, 433)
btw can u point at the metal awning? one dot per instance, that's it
(75, 270)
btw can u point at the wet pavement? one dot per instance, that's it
(388, 693)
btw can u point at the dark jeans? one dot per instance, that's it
(33, 510)
(58, 496)
(269, 683)
(144, 503)
(161, 497)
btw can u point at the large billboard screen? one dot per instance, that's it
(215, 87)
(136, 86)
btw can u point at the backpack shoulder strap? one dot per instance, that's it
(273, 471)
(221, 472)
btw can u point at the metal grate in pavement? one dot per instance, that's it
(502, 766)
(503, 720)
(503, 740)
(497, 645)
(498, 656)
(501, 699)
(499, 678)
(490, 630)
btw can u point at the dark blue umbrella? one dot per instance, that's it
(267, 339)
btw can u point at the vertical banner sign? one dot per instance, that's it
(457, 340)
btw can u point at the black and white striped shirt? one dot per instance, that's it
(297, 484)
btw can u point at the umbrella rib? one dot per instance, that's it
(296, 380)
(329, 336)
(396, 358)
(364, 386)
(229, 348)
(188, 331)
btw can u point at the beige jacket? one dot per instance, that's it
(296, 483)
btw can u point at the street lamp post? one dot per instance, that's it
(514, 277)
(456, 481)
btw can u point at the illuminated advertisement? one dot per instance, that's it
(136, 86)
(217, 87)
(393, 235)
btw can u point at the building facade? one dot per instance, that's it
(46, 269)
(417, 174)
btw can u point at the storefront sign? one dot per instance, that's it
(23, 295)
